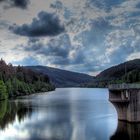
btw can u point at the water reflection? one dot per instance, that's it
(9, 111)
(127, 131)
(66, 114)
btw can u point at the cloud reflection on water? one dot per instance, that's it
(67, 114)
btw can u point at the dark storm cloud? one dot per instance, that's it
(100, 33)
(20, 3)
(58, 49)
(46, 24)
(55, 47)
(17, 3)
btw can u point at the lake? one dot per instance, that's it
(64, 114)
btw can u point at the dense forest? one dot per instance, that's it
(63, 78)
(17, 81)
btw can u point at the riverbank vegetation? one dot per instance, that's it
(18, 81)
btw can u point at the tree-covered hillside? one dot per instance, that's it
(17, 81)
(63, 78)
(128, 72)
(120, 70)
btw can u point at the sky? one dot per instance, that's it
(85, 36)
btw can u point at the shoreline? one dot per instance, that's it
(27, 95)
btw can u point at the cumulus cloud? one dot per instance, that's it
(46, 24)
(20, 3)
(121, 45)
(17, 3)
(57, 5)
(55, 50)
(132, 56)
(58, 51)
(54, 47)
(99, 33)
(107, 5)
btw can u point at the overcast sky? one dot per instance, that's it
(80, 35)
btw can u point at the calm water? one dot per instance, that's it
(65, 114)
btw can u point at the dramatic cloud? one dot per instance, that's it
(20, 3)
(58, 51)
(46, 24)
(55, 47)
(57, 5)
(80, 35)
(17, 3)
(107, 5)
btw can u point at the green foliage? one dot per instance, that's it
(9, 87)
(17, 81)
(3, 106)
(3, 91)
(132, 76)
(9, 111)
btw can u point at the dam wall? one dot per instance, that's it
(126, 99)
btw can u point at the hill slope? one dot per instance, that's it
(119, 70)
(63, 78)
(128, 72)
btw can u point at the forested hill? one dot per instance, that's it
(128, 72)
(121, 69)
(63, 78)
(17, 81)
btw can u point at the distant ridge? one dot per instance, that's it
(63, 78)
(125, 72)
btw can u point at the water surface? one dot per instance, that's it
(64, 114)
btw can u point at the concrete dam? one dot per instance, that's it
(126, 99)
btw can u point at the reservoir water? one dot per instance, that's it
(64, 114)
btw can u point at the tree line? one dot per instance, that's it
(17, 81)
(129, 77)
